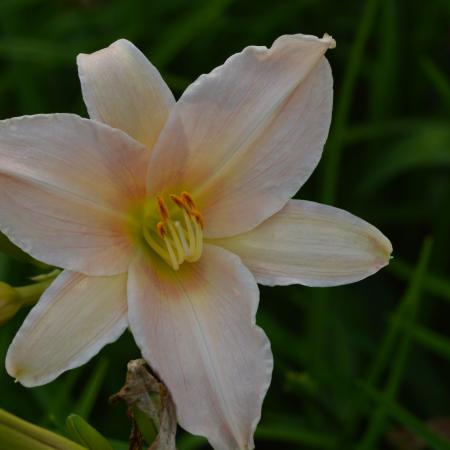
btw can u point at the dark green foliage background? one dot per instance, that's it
(353, 362)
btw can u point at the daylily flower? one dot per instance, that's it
(166, 214)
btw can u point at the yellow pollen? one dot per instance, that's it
(174, 241)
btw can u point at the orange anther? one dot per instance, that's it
(198, 217)
(161, 229)
(162, 207)
(178, 201)
(188, 200)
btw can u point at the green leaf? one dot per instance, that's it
(434, 284)
(191, 442)
(438, 79)
(385, 71)
(344, 99)
(7, 247)
(83, 433)
(429, 339)
(17, 434)
(290, 432)
(408, 310)
(91, 390)
(181, 32)
(411, 422)
(427, 147)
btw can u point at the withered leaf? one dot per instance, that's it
(403, 439)
(144, 392)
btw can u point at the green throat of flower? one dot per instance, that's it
(176, 237)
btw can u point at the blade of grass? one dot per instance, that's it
(433, 284)
(191, 442)
(438, 79)
(119, 445)
(383, 92)
(429, 339)
(54, 399)
(341, 113)
(427, 147)
(181, 32)
(279, 335)
(289, 433)
(408, 310)
(22, 49)
(407, 419)
(90, 392)
(381, 130)
(317, 319)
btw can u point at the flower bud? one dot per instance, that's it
(10, 302)
(86, 435)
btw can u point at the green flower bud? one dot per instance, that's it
(13, 298)
(10, 302)
(86, 435)
(18, 434)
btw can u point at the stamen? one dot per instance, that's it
(185, 207)
(176, 242)
(155, 246)
(162, 207)
(181, 233)
(182, 243)
(198, 240)
(188, 200)
(197, 216)
(178, 201)
(161, 229)
(173, 258)
(190, 232)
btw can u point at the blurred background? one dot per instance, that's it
(365, 366)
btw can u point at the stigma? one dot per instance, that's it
(176, 237)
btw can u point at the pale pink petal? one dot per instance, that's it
(67, 186)
(244, 138)
(196, 328)
(311, 244)
(124, 90)
(74, 319)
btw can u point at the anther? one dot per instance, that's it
(162, 207)
(161, 229)
(180, 242)
(198, 217)
(188, 200)
(178, 201)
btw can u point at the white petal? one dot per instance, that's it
(245, 137)
(311, 244)
(74, 319)
(67, 186)
(196, 328)
(124, 90)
